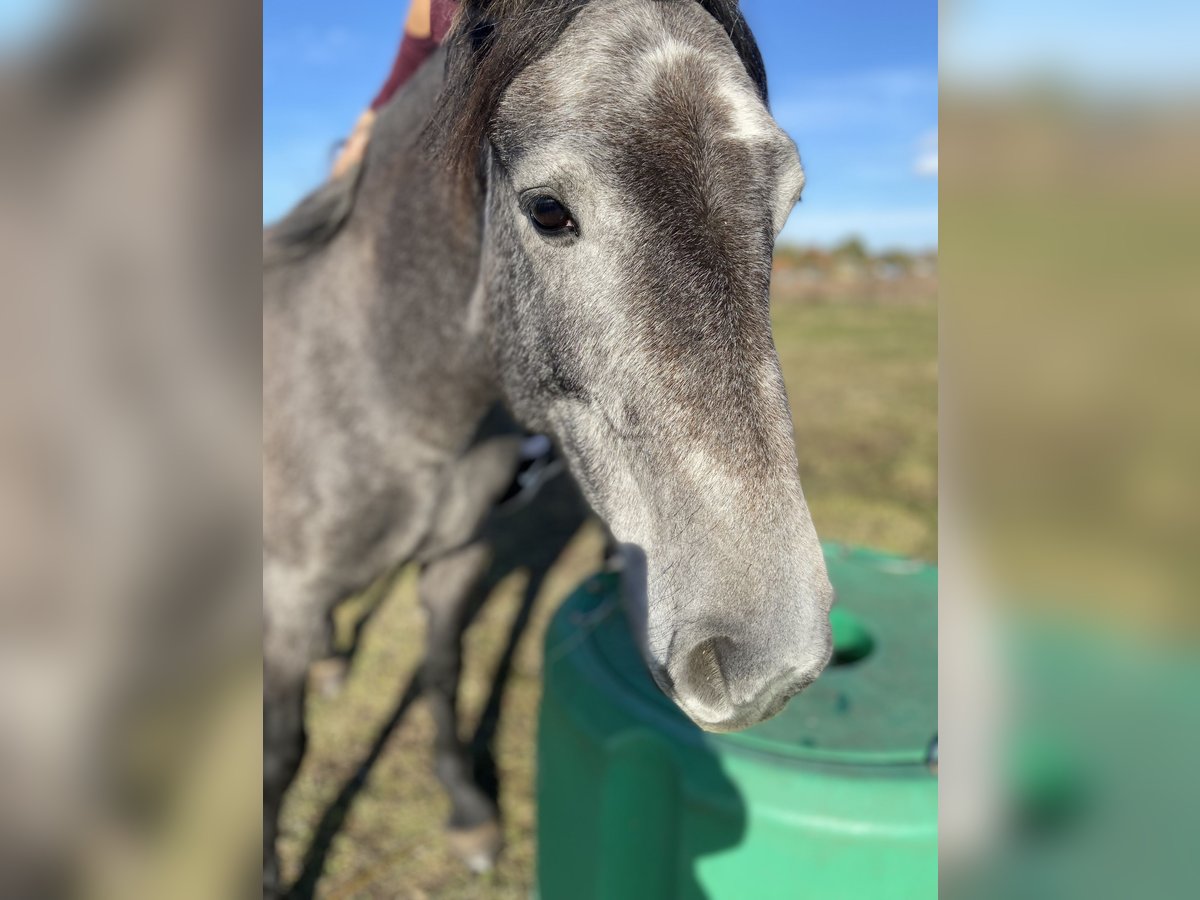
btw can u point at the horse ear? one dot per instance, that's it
(473, 9)
(475, 22)
(729, 14)
(455, 132)
(489, 43)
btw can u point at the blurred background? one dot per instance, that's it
(1069, 326)
(130, 449)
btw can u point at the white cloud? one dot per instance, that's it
(926, 163)
(872, 98)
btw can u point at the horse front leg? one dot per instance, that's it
(295, 634)
(450, 594)
(328, 676)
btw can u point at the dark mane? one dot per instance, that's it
(492, 41)
(313, 221)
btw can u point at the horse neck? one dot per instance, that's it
(419, 244)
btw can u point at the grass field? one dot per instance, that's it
(863, 386)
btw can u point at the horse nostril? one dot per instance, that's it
(703, 677)
(724, 685)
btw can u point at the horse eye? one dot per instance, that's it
(550, 216)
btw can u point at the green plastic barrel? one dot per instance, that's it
(833, 798)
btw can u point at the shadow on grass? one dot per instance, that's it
(335, 814)
(481, 748)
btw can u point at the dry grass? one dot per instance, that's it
(863, 385)
(862, 381)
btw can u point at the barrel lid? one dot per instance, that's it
(876, 703)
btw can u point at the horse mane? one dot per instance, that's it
(313, 221)
(491, 41)
(489, 44)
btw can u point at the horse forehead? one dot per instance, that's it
(693, 72)
(623, 61)
(690, 137)
(697, 82)
(680, 103)
(673, 111)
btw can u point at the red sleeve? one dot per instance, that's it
(414, 50)
(441, 14)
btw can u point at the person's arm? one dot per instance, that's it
(351, 152)
(424, 29)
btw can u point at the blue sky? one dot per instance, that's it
(855, 84)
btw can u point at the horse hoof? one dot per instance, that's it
(328, 676)
(478, 847)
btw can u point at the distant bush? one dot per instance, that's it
(850, 271)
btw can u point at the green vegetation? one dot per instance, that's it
(862, 379)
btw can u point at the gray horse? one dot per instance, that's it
(571, 210)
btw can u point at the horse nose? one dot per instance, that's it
(703, 680)
(725, 687)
